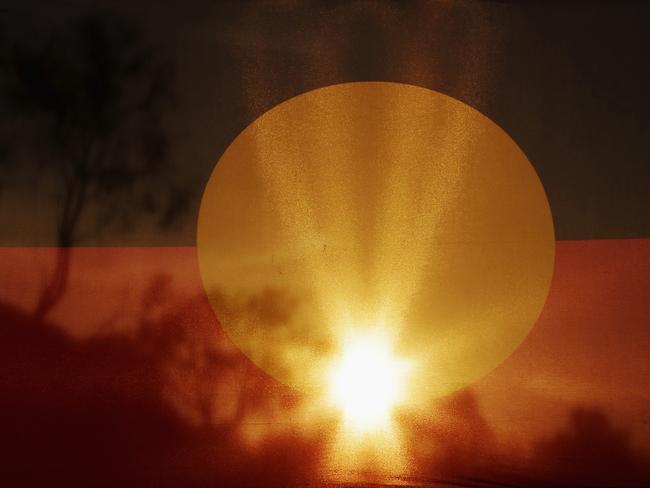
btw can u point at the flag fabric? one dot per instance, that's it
(115, 368)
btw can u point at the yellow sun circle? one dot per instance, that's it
(376, 205)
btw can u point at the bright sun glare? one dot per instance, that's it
(367, 381)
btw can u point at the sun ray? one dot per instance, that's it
(367, 381)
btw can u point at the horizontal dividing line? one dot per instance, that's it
(193, 246)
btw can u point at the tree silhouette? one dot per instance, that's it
(95, 96)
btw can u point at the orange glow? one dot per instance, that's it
(367, 381)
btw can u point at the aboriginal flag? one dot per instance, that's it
(362, 243)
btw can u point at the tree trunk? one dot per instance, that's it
(54, 290)
(73, 204)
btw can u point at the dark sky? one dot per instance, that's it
(568, 83)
